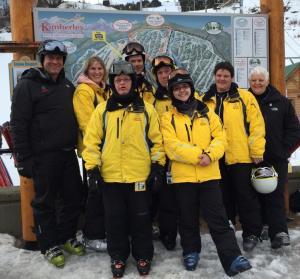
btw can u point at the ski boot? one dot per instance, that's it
(98, 245)
(74, 247)
(250, 242)
(280, 239)
(55, 256)
(240, 264)
(117, 268)
(143, 267)
(191, 261)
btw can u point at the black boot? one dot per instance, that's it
(249, 243)
(143, 267)
(117, 268)
(280, 239)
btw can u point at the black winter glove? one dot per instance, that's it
(155, 180)
(25, 168)
(95, 180)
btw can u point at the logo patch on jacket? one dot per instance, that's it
(273, 108)
(137, 118)
(44, 89)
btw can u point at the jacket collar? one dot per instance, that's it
(232, 94)
(137, 105)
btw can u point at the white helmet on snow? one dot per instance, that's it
(264, 179)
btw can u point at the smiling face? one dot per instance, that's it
(95, 72)
(53, 64)
(182, 91)
(137, 62)
(122, 84)
(223, 80)
(258, 83)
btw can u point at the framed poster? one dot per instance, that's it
(16, 69)
(195, 41)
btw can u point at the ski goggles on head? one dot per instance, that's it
(55, 45)
(162, 60)
(179, 71)
(121, 67)
(133, 48)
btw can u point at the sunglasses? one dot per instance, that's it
(130, 48)
(162, 60)
(179, 71)
(125, 68)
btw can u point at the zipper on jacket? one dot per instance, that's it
(118, 127)
(187, 131)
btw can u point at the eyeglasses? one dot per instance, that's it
(179, 71)
(122, 67)
(55, 45)
(119, 80)
(163, 59)
(132, 47)
(178, 87)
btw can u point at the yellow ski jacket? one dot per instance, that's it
(185, 139)
(86, 97)
(243, 124)
(147, 93)
(123, 142)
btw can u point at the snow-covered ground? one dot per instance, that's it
(267, 264)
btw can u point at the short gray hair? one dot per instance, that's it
(259, 70)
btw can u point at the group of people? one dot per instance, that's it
(153, 156)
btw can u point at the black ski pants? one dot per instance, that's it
(127, 213)
(208, 197)
(168, 212)
(56, 178)
(272, 205)
(94, 223)
(238, 191)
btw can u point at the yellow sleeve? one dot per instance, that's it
(256, 139)
(218, 144)
(83, 102)
(93, 138)
(155, 136)
(178, 150)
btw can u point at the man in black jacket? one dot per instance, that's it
(44, 131)
(282, 134)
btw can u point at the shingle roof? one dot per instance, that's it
(290, 69)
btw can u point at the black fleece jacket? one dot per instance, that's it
(42, 115)
(282, 124)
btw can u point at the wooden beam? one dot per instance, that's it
(19, 47)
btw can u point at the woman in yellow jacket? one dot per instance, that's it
(194, 141)
(245, 132)
(124, 153)
(91, 91)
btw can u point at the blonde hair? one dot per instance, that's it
(90, 61)
(259, 70)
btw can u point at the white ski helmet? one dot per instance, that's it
(264, 179)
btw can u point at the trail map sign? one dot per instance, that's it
(194, 41)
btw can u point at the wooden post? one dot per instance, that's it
(22, 24)
(22, 31)
(275, 10)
